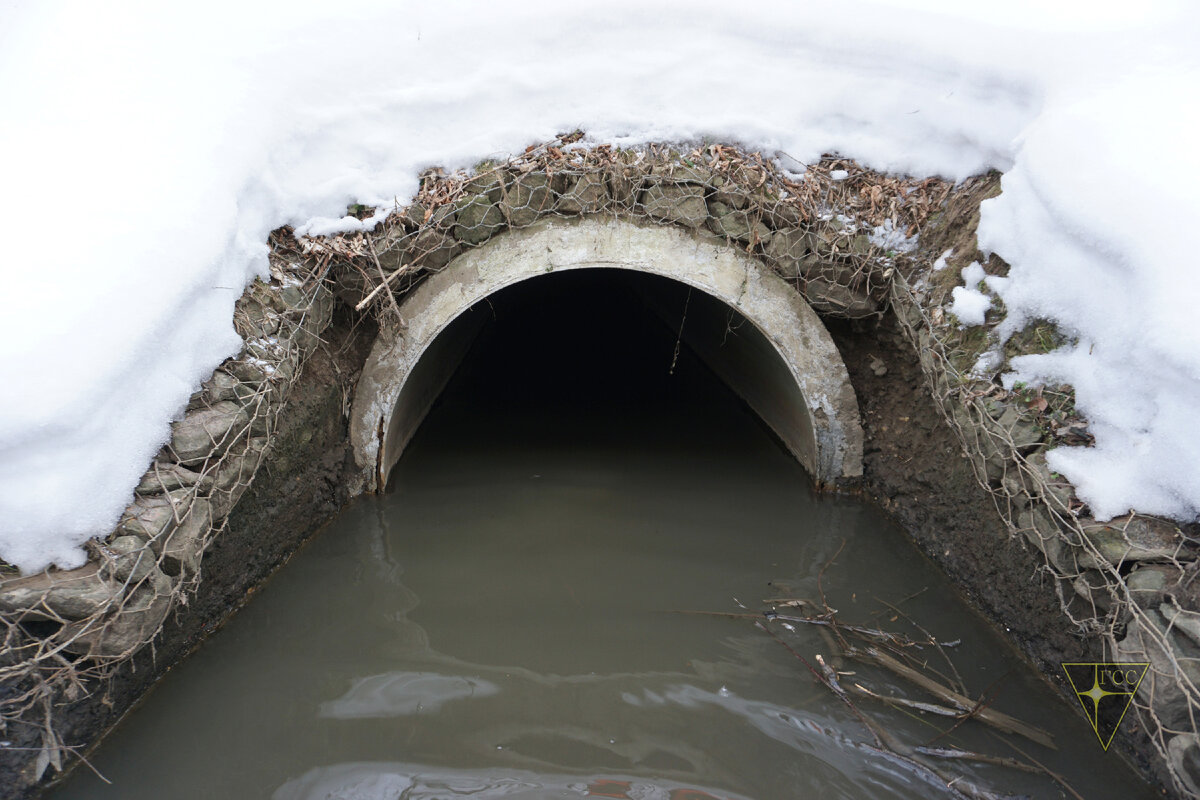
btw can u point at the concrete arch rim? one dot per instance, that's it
(775, 308)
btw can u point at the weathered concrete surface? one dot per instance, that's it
(829, 442)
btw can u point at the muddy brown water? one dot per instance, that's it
(503, 622)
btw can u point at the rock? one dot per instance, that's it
(1092, 586)
(1004, 434)
(182, 547)
(221, 386)
(586, 196)
(252, 319)
(418, 215)
(164, 476)
(680, 203)
(391, 253)
(478, 218)
(269, 350)
(68, 595)
(207, 432)
(251, 374)
(1041, 530)
(349, 285)
(625, 179)
(1058, 489)
(433, 249)
(134, 559)
(1013, 484)
(832, 298)
(527, 199)
(414, 215)
(1183, 753)
(1149, 582)
(148, 517)
(129, 627)
(1186, 621)
(1134, 538)
(489, 185)
(293, 296)
(308, 336)
(790, 251)
(832, 241)
(780, 214)
(678, 173)
(1015, 428)
(742, 226)
(731, 198)
(1160, 688)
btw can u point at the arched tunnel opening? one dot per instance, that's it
(785, 366)
(607, 358)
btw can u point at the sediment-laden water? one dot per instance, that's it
(503, 622)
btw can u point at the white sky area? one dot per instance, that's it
(148, 149)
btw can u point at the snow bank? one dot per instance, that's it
(1108, 254)
(148, 151)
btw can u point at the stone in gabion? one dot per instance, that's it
(164, 476)
(680, 203)
(207, 432)
(586, 195)
(526, 199)
(477, 219)
(139, 619)
(70, 594)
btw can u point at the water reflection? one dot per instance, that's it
(416, 782)
(398, 693)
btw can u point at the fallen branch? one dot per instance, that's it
(982, 758)
(932, 708)
(958, 681)
(392, 297)
(996, 719)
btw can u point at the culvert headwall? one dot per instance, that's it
(796, 382)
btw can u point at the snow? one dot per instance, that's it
(890, 239)
(149, 149)
(969, 304)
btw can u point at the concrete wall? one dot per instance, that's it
(816, 415)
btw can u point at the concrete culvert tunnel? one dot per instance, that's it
(618, 300)
(590, 361)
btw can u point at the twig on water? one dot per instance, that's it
(829, 680)
(958, 681)
(992, 717)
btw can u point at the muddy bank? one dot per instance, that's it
(914, 468)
